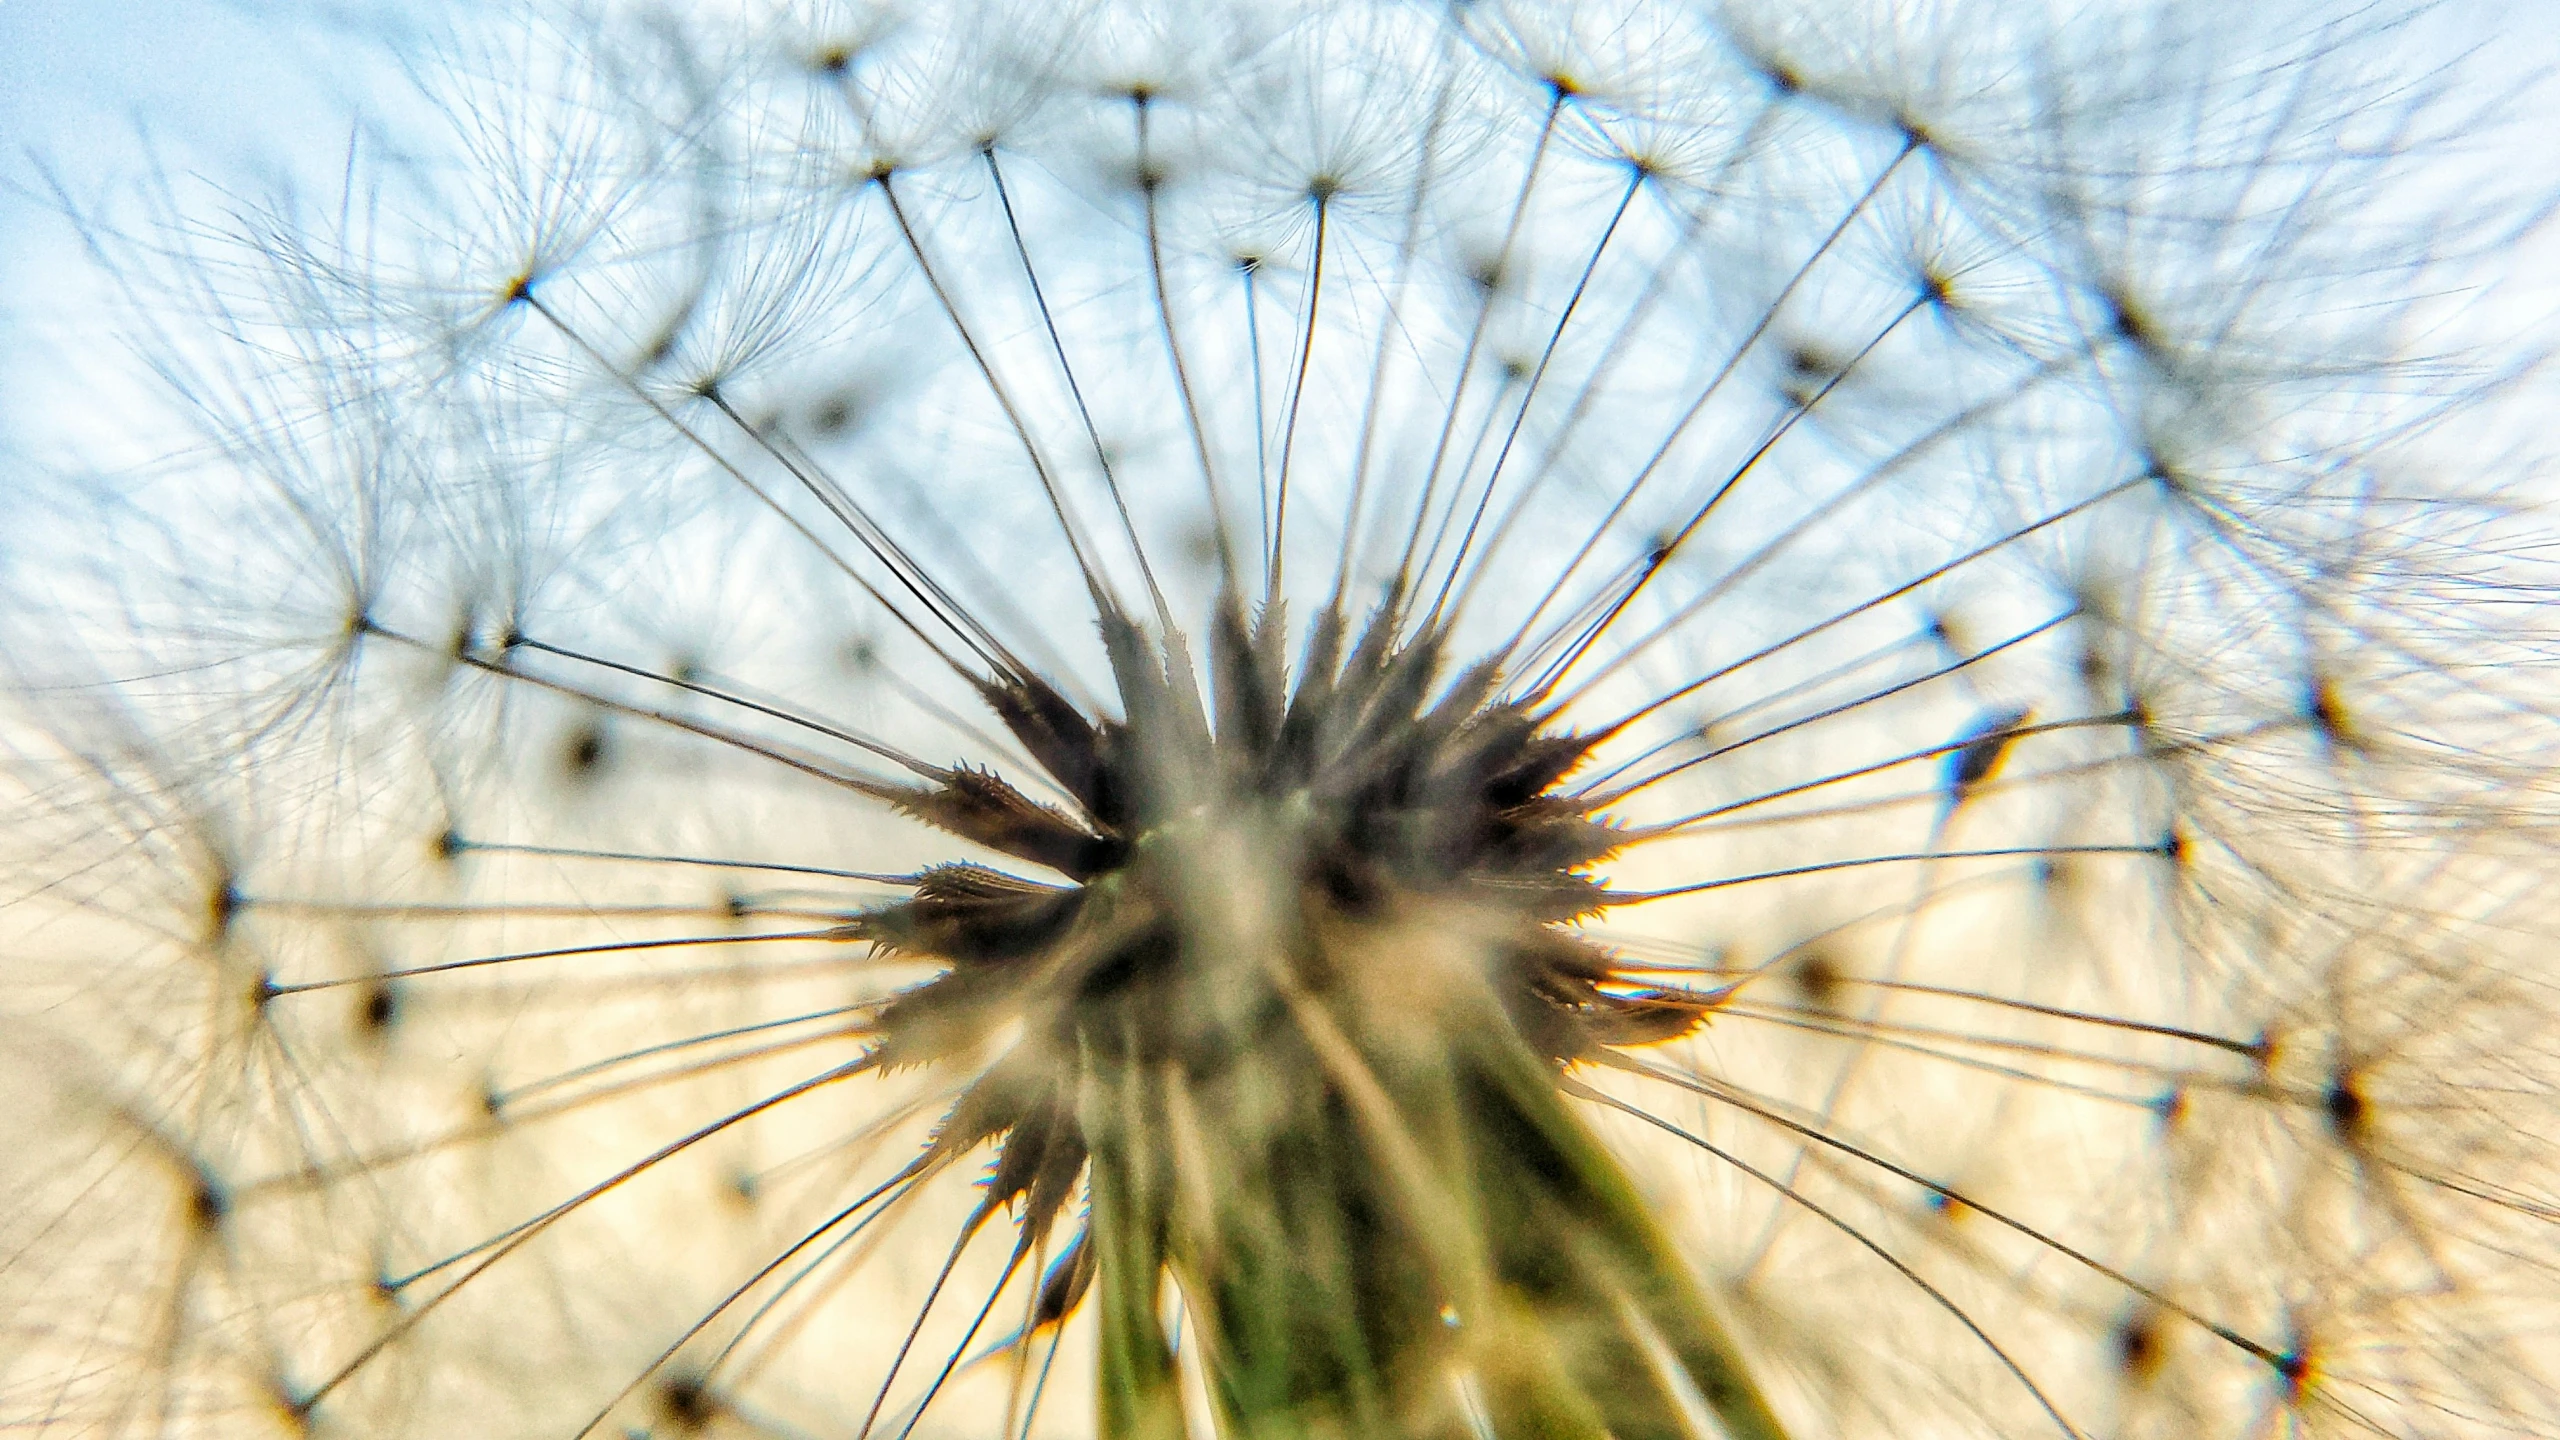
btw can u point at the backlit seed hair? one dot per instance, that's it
(1335, 720)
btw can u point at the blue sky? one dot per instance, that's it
(77, 75)
(93, 93)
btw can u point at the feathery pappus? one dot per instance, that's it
(1351, 719)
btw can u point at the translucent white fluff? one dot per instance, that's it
(2026, 501)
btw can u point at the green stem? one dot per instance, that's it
(1381, 1239)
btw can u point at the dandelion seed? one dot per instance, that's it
(1607, 719)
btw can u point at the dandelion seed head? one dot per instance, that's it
(1374, 719)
